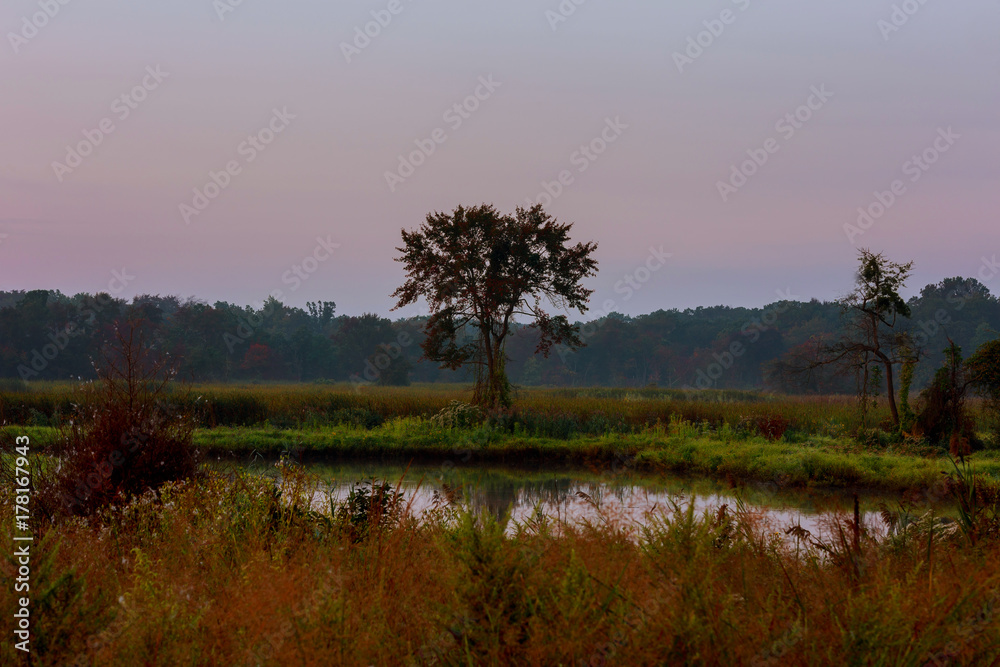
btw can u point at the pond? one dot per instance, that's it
(576, 495)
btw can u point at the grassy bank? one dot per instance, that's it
(678, 448)
(220, 571)
(739, 437)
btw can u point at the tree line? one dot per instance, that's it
(46, 335)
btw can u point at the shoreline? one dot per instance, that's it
(817, 463)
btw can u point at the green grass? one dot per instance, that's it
(651, 431)
(678, 448)
(818, 461)
(239, 567)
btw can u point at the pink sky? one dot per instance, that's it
(556, 86)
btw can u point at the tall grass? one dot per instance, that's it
(287, 405)
(229, 571)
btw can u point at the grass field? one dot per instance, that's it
(226, 568)
(738, 436)
(304, 404)
(231, 571)
(678, 448)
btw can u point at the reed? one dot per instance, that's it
(288, 405)
(224, 570)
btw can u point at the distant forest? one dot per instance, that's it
(45, 335)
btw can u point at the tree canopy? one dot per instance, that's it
(46, 335)
(479, 270)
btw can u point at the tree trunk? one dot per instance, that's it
(889, 384)
(492, 388)
(863, 390)
(482, 395)
(890, 387)
(891, 390)
(499, 386)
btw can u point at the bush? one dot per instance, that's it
(874, 438)
(978, 504)
(983, 370)
(770, 426)
(36, 418)
(233, 410)
(601, 424)
(30, 407)
(124, 438)
(458, 415)
(943, 417)
(370, 507)
(357, 417)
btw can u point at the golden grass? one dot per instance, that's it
(289, 404)
(222, 572)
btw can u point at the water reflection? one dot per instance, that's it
(574, 496)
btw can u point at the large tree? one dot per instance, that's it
(983, 370)
(869, 343)
(872, 309)
(478, 270)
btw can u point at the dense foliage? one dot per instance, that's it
(47, 335)
(480, 270)
(872, 345)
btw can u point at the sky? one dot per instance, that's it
(229, 150)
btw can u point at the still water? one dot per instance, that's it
(577, 495)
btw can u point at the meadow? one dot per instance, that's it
(284, 405)
(226, 566)
(229, 570)
(739, 436)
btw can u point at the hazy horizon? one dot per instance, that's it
(536, 89)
